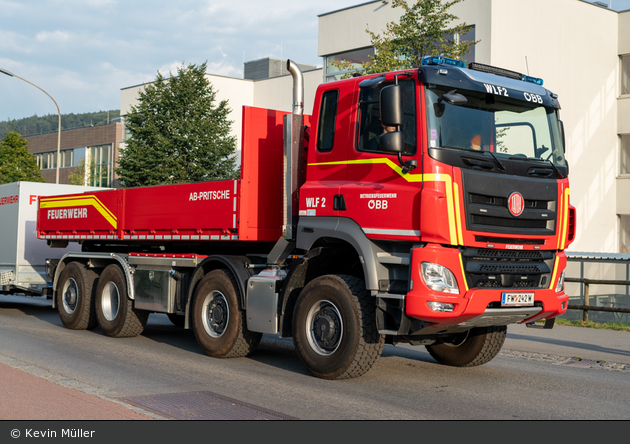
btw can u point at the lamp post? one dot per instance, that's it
(10, 74)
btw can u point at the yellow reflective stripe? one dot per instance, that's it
(448, 185)
(565, 219)
(453, 224)
(394, 166)
(458, 220)
(80, 201)
(461, 263)
(555, 272)
(560, 216)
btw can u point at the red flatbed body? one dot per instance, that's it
(247, 209)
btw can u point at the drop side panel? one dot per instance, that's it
(262, 155)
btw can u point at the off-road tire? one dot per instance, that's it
(220, 325)
(334, 327)
(476, 347)
(75, 297)
(114, 310)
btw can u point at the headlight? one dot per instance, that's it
(439, 278)
(560, 285)
(441, 306)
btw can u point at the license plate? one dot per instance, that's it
(517, 299)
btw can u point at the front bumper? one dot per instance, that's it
(476, 307)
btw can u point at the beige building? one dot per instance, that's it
(267, 88)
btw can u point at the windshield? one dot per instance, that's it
(508, 128)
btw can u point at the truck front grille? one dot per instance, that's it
(486, 203)
(489, 268)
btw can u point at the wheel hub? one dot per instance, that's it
(325, 328)
(215, 314)
(70, 296)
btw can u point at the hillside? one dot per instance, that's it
(30, 126)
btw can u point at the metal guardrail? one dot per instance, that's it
(585, 307)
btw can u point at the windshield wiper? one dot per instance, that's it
(499, 164)
(560, 176)
(534, 159)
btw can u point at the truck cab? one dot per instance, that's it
(457, 178)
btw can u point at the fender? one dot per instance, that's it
(121, 259)
(310, 229)
(237, 265)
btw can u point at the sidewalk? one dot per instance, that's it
(585, 343)
(28, 397)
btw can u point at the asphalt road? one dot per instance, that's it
(533, 377)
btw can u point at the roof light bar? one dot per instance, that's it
(439, 60)
(535, 80)
(505, 73)
(495, 70)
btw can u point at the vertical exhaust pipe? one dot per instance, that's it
(293, 153)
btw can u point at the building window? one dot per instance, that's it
(356, 58)
(48, 160)
(624, 158)
(100, 159)
(66, 158)
(625, 74)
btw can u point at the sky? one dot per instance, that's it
(82, 52)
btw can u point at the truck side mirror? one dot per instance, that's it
(391, 106)
(561, 125)
(392, 142)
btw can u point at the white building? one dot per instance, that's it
(271, 92)
(582, 52)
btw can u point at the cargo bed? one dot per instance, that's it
(247, 209)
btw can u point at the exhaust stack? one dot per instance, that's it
(293, 153)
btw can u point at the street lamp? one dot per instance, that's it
(10, 74)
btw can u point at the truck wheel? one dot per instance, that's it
(220, 325)
(334, 327)
(114, 310)
(474, 347)
(75, 301)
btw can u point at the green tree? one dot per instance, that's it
(424, 30)
(177, 134)
(16, 162)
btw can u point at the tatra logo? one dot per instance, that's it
(516, 204)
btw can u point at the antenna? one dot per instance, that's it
(527, 65)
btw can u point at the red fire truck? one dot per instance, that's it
(428, 206)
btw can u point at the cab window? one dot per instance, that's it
(327, 119)
(370, 127)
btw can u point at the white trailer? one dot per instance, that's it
(22, 255)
